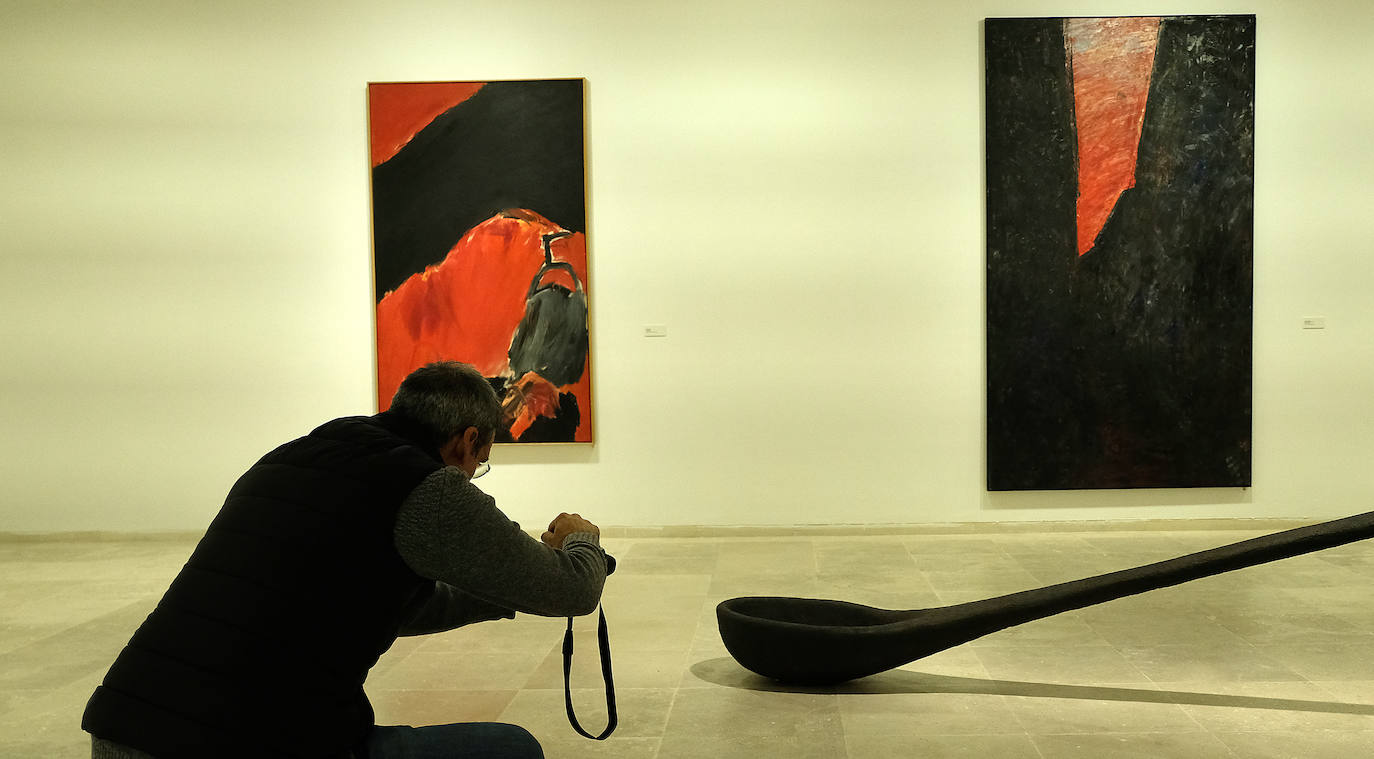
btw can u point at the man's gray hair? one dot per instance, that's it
(446, 398)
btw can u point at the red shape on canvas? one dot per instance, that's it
(396, 113)
(1111, 60)
(467, 307)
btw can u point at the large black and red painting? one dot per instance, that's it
(479, 239)
(1120, 207)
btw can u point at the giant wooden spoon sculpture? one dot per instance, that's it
(812, 641)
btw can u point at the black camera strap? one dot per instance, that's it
(603, 641)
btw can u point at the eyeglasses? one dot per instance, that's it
(482, 469)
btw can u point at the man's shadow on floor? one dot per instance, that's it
(726, 672)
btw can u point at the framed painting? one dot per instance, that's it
(1120, 214)
(479, 244)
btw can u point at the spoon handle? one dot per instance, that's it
(1016, 608)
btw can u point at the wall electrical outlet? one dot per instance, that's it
(1314, 322)
(655, 330)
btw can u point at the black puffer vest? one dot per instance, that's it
(261, 645)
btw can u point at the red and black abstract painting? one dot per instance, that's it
(479, 239)
(1120, 215)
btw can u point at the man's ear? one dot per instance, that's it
(452, 452)
(470, 436)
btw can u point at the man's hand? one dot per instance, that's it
(564, 525)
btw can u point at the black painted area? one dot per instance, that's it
(511, 145)
(1130, 366)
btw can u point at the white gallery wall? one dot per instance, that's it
(794, 189)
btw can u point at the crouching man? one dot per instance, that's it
(324, 552)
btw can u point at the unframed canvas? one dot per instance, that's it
(479, 239)
(1120, 186)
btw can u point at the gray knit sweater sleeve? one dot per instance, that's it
(449, 530)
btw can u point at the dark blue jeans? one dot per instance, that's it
(464, 740)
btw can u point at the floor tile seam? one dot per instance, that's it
(71, 674)
(1325, 686)
(1120, 650)
(1172, 706)
(1303, 731)
(1219, 742)
(1190, 714)
(1300, 678)
(1075, 733)
(1240, 643)
(1306, 730)
(668, 716)
(952, 734)
(1161, 730)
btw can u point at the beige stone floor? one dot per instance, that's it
(1273, 661)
